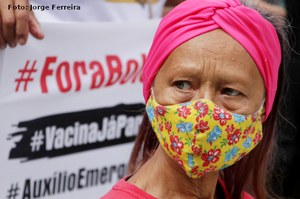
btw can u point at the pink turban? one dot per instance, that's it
(192, 18)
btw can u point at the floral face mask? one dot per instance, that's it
(201, 137)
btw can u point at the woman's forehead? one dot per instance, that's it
(212, 48)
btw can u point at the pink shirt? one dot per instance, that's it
(125, 190)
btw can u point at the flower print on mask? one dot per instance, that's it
(221, 115)
(247, 143)
(212, 156)
(168, 126)
(238, 118)
(210, 169)
(229, 128)
(202, 109)
(191, 160)
(150, 112)
(201, 126)
(248, 131)
(176, 144)
(231, 154)
(196, 150)
(202, 137)
(161, 110)
(214, 135)
(234, 137)
(184, 127)
(184, 111)
(166, 146)
(258, 137)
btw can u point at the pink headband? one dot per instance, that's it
(192, 18)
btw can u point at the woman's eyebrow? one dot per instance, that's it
(236, 78)
(226, 76)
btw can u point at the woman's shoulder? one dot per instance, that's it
(125, 190)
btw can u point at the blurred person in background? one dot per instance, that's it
(17, 21)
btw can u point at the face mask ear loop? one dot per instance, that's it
(152, 92)
(263, 107)
(152, 95)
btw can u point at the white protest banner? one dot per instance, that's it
(70, 108)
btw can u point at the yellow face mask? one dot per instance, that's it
(201, 137)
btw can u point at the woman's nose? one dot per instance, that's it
(204, 92)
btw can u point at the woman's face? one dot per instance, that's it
(212, 66)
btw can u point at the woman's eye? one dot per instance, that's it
(184, 85)
(230, 92)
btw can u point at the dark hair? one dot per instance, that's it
(251, 172)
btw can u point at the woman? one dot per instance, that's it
(211, 88)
